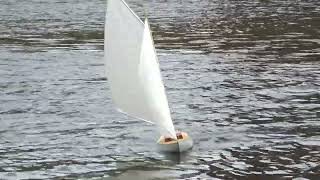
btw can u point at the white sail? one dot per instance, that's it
(132, 68)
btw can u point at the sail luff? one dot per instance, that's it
(153, 88)
(172, 129)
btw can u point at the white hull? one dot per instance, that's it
(180, 145)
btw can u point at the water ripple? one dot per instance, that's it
(242, 79)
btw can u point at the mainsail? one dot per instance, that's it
(132, 68)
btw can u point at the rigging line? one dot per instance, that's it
(129, 115)
(137, 17)
(145, 11)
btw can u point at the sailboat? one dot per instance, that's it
(134, 76)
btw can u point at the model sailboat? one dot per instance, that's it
(134, 75)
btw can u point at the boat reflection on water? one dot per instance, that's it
(176, 157)
(151, 168)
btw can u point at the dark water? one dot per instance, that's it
(242, 78)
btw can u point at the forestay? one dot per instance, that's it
(132, 68)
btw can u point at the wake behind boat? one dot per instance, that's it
(134, 75)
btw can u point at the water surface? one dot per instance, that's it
(242, 79)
